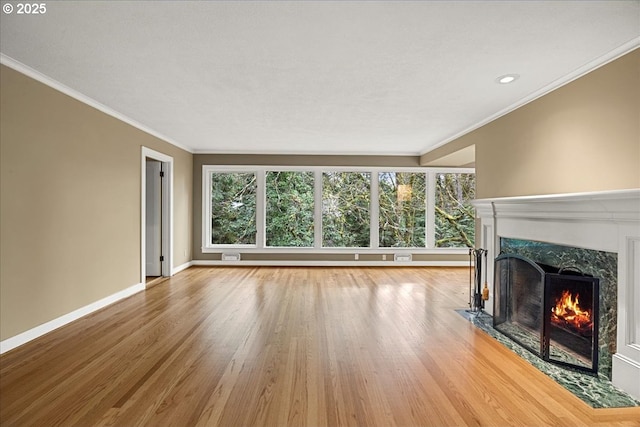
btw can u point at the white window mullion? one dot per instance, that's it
(430, 228)
(261, 199)
(317, 209)
(374, 210)
(206, 207)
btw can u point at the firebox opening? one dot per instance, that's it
(551, 312)
(572, 321)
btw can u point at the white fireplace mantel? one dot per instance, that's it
(605, 221)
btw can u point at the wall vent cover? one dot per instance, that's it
(402, 257)
(230, 257)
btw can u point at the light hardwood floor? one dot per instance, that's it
(286, 347)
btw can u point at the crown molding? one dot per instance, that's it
(54, 84)
(556, 84)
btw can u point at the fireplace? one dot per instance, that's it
(599, 233)
(551, 311)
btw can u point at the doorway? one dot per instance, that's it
(153, 215)
(156, 210)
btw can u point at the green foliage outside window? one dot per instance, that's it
(346, 203)
(289, 209)
(346, 198)
(455, 216)
(402, 209)
(233, 208)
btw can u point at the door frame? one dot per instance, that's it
(167, 212)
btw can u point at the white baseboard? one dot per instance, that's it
(31, 334)
(284, 263)
(182, 267)
(626, 375)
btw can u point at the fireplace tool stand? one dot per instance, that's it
(477, 293)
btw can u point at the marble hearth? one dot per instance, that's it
(603, 221)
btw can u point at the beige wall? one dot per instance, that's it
(446, 150)
(331, 161)
(582, 137)
(70, 203)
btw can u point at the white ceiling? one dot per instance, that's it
(314, 77)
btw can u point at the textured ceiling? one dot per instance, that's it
(315, 77)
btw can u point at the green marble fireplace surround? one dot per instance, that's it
(599, 264)
(599, 233)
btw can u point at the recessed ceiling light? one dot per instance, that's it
(507, 78)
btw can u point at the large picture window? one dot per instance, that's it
(321, 209)
(345, 209)
(455, 217)
(289, 209)
(402, 209)
(233, 208)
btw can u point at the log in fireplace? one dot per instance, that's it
(551, 311)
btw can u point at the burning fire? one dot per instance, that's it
(567, 312)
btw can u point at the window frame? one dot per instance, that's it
(435, 190)
(427, 177)
(208, 171)
(264, 196)
(260, 246)
(320, 219)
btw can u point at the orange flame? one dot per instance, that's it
(567, 312)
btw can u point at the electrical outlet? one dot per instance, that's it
(356, 257)
(384, 257)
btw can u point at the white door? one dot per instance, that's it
(153, 208)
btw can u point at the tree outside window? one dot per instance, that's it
(289, 209)
(287, 201)
(402, 209)
(346, 198)
(233, 208)
(455, 216)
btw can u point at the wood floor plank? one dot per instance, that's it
(274, 346)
